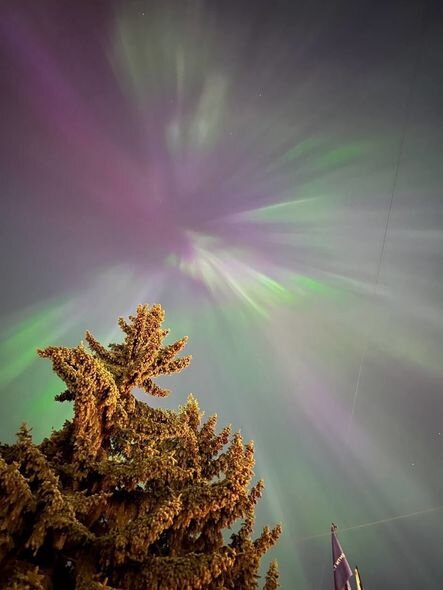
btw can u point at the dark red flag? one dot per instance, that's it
(340, 565)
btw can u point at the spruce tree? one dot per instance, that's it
(126, 496)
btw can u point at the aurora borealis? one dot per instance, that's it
(271, 174)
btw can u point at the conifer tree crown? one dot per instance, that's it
(125, 496)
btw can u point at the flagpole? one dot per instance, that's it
(358, 579)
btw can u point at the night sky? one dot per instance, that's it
(271, 173)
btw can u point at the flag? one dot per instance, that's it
(340, 565)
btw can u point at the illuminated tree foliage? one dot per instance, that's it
(126, 496)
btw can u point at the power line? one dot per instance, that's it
(372, 523)
(388, 217)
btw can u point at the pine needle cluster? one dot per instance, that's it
(125, 496)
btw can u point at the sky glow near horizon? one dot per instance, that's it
(238, 167)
